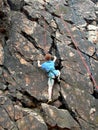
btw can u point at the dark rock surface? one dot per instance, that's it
(28, 30)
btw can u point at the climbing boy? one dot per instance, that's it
(49, 67)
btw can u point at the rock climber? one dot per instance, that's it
(49, 67)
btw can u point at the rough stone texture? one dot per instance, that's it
(1, 54)
(28, 30)
(54, 116)
(31, 121)
(16, 4)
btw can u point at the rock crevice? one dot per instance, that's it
(30, 29)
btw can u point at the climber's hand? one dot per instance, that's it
(54, 58)
(39, 65)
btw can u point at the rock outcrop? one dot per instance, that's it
(28, 30)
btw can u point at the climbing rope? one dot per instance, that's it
(79, 52)
(76, 46)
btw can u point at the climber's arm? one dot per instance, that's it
(54, 58)
(39, 65)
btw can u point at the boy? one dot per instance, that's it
(49, 67)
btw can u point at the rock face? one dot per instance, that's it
(28, 30)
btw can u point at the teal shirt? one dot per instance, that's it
(49, 67)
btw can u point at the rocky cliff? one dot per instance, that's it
(28, 30)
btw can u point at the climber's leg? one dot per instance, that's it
(50, 88)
